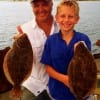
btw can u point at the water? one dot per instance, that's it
(17, 13)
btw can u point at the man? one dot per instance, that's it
(38, 30)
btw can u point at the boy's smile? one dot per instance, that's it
(66, 18)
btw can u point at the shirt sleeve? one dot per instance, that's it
(46, 56)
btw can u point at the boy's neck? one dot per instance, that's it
(67, 36)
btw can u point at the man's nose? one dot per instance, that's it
(40, 8)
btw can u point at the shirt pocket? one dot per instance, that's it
(37, 51)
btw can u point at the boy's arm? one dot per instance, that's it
(56, 75)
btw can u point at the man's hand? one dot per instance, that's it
(19, 29)
(20, 32)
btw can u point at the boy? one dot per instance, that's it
(59, 50)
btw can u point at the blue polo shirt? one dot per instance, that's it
(58, 55)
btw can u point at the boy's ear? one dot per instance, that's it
(77, 19)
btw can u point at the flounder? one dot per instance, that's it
(4, 83)
(82, 72)
(18, 63)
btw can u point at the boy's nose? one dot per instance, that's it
(66, 18)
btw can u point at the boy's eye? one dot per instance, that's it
(70, 16)
(62, 16)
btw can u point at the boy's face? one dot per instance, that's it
(66, 18)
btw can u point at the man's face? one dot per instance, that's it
(42, 10)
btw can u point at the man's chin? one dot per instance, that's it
(42, 19)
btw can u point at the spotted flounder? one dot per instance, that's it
(18, 63)
(82, 72)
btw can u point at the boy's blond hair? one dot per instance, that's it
(72, 3)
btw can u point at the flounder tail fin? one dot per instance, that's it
(16, 92)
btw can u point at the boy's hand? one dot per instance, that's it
(66, 81)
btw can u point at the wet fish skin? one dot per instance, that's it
(18, 63)
(82, 72)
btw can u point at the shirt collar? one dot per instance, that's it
(34, 24)
(60, 34)
(54, 27)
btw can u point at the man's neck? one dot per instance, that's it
(46, 25)
(45, 22)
